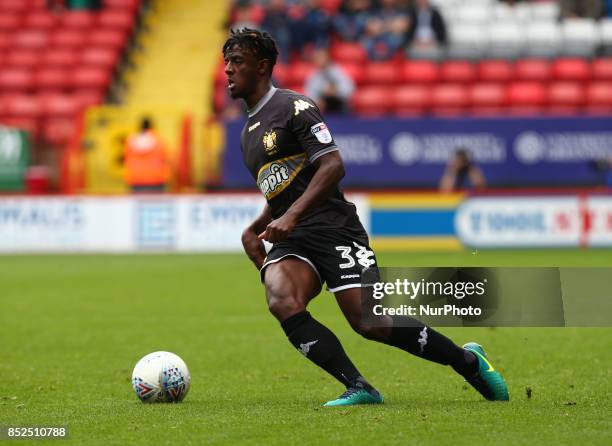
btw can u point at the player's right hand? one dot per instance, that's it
(279, 229)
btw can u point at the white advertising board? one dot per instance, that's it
(490, 222)
(194, 223)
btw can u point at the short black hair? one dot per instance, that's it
(260, 43)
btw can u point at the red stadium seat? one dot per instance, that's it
(533, 70)
(299, 72)
(566, 97)
(77, 19)
(449, 99)
(219, 99)
(60, 105)
(23, 106)
(58, 131)
(16, 79)
(43, 20)
(419, 72)
(373, 101)
(458, 71)
(526, 97)
(378, 73)
(348, 52)
(52, 79)
(39, 5)
(116, 19)
(572, 70)
(9, 22)
(602, 69)
(257, 12)
(90, 78)
(29, 125)
(487, 99)
(330, 6)
(69, 38)
(31, 39)
(107, 38)
(23, 58)
(220, 77)
(88, 98)
(280, 75)
(354, 71)
(599, 97)
(14, 5)
(60, 57)
(5, 41)
(495, 71)
(100, 57)
(411, 100)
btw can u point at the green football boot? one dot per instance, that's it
(356, 395)
(487, 380)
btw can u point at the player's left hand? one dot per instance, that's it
(279, 229)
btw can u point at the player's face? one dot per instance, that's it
(242, 70)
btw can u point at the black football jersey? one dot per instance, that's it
(282, 138)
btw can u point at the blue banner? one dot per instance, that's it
(392, 152)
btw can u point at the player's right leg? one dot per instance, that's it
(290, 285)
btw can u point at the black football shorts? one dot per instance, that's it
(338, 256)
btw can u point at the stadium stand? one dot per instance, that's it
(516, 58)
(54, 64)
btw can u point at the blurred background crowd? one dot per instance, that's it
(79, 77)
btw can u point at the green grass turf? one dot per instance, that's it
(72, 328)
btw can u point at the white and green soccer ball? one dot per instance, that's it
(161, 377)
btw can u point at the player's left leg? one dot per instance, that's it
(420, 340)
(291, 283)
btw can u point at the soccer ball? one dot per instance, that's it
(161, 377)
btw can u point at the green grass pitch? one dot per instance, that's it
(72, 328)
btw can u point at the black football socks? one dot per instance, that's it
(412, 336)
(321, 346)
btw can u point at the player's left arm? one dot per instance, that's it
(329, 172)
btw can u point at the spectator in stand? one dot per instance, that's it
(329, 86)
(593, 9)
(277, 24)
(147, 167)
(426, 35)
(350, 22)
(311, 25)
(462, 173)
(386, 30)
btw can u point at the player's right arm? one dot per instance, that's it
(253, 246)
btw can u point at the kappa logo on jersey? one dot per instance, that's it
(269, 142)
(274, 177)
(321, 131)
(301, 105)
(363, 256)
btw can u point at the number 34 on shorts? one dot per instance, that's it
(356, 253)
